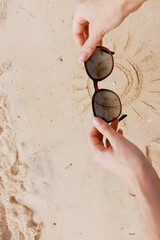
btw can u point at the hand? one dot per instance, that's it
(94, 18)
(126, 160)
(120, 155)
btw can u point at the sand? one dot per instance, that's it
(50, 188)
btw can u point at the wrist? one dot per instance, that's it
(140, 174)
(129, 6)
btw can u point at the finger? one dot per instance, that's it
(96, 140)
(96, 144)
(120, 131)
(114, 125)
(106, 130)
(78, 27)
(89, 46)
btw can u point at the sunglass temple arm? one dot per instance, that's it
(122, 117)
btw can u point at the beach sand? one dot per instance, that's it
(50, 187)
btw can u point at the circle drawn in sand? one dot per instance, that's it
(132, 80)
(130, 84)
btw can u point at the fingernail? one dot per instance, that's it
(83, 57)
(96, 121)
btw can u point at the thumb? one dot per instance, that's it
(89, 46)
(106, 130)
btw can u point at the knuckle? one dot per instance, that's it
(100, 35)
(89, 47)
(105, 129)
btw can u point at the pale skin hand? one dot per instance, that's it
(95, 18)
(126, 160)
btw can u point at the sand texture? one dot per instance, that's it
(50, 188)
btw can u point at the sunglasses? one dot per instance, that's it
(105, 103)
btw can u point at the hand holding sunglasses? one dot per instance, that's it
(105, 103)
(94, 19)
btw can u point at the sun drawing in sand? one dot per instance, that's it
(134, 78)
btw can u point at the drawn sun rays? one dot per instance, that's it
(134, 78)
(82, 94)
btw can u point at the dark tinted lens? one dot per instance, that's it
(107, 105)
(100, 64)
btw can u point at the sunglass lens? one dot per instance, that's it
(100, 64)
(106, 104)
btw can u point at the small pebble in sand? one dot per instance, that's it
(114, 83)
(149, 121)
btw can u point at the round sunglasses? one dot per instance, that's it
(105, 103)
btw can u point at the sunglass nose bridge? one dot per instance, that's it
(96, 86)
